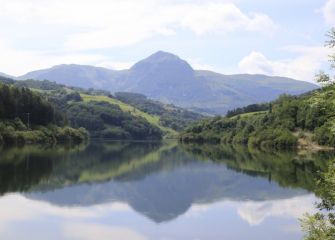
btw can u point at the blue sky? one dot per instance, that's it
(277, 37)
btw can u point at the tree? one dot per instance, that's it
(322, 225)
(322, 77)
(330, 43)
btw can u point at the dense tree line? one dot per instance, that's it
(312, 113)
(170, 115)
(43, 85)
(27, 117)
(26, 105)
(6, 80)
(321, 225)
(287, 168)
(107, 120)
(101, 119)
(248, 109)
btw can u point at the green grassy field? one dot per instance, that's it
(153, 119)
(245, 115)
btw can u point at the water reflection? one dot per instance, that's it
(181, 186)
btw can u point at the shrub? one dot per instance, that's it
(115, 133)
(324, 135)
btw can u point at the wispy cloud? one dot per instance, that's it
(303, 67)
(18, 62)
(86, 231)
(106, 24)
(256, 212)
(329, 12)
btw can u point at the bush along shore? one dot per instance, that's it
(26, 118)
(16, 133)
(305, 121)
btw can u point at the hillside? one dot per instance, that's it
(305, 121)
(75, 75)
(128, 116)
(151, 119)
(5, 75)
(169, 115)
(27, 117)
(167, 78)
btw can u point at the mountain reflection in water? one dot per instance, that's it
(163, 181)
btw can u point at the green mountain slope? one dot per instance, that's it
(28, 117)
(289, 121)
(169, 115)
(104, 115)
(152, 119)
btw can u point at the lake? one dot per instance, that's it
(155, 190)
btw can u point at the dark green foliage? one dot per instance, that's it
(115, 133)
(285, 167)
(96, 92)
(43, 85)
(27, 117)
(62, 97)
(74, 96)
(141, 102)
(106, 120)
(322, 224)
(6, 80)
(22, 103)
(313, 112)
(101, 119)
(16, 133)
(280, 138)
(69, 134)
(170, 115)
(324, 135)
(248, 109)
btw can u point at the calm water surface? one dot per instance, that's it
(138, 191)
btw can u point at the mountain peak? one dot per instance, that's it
(162, 54)
(162, 58)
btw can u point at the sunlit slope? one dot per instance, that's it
(305, 121)
(153, 119)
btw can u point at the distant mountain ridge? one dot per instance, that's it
(5, 75)
(166, 77)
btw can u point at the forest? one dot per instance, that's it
(123, 116)
(106, 120)
(170, 116)
(27, 117)
(290, 120)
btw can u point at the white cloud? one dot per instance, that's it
(15, 208)
(329, 12)
(85, 25)
(18, 62)
(256, 212)
(302, 67)
(105, 24)
(161, 18)
(86, 231)
(197, 64)
(225, 17)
